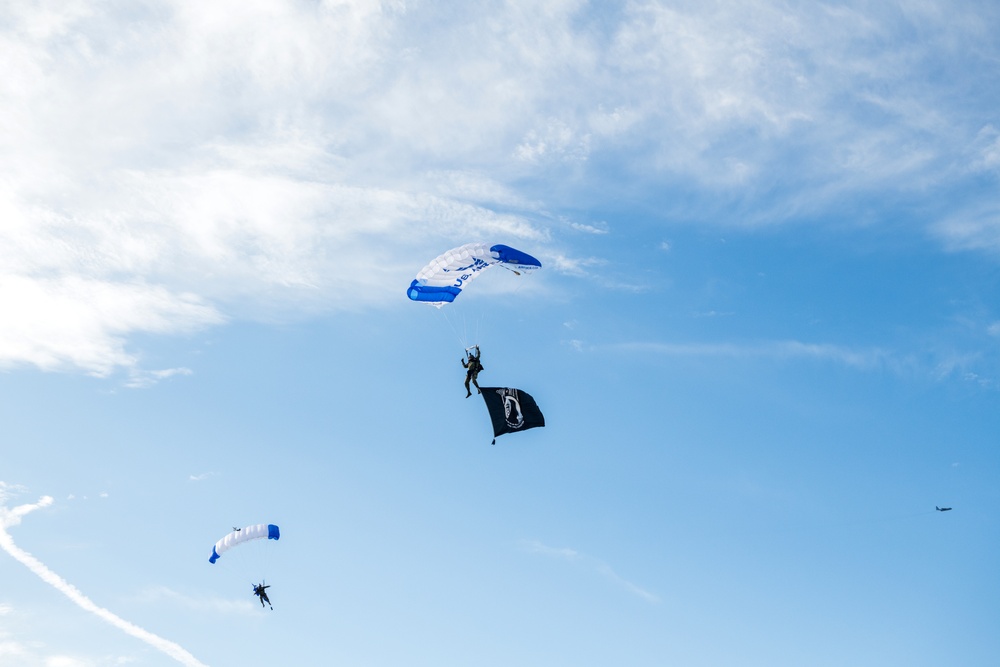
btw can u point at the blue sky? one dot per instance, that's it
(765, 337)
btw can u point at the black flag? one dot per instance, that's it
(511, 410)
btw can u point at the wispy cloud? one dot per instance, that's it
(200, 477)
(213, 605)
(930, 363)
(83, 322)
(600, 228)
(8, 491)
(555, 141)
(10, 650)
(67, 661)
(869, 358)
(974, 226)
(139, 378)
(10, 517)
(575, 266)
(152, 181)
(590, 563)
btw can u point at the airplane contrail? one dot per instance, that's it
(12, 517)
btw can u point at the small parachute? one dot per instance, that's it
(444, 278)
(241, 535)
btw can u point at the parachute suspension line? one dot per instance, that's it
(479, 325)
(462, 339)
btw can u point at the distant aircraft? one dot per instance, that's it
(942, 509)
(237, 529)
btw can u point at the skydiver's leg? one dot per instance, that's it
(468, 392)
(475, 381)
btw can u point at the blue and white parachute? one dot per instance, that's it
(442, 280)
(256, 532)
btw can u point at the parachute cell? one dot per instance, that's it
(255, 532)
(444, 278)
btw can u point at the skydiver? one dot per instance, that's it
(259, 592)
(474, 366)
(237, 529)
(942, 509)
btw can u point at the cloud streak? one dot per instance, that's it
(12, 517)
(590, 563)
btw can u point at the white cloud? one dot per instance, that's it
(172, 166)
(75, 321)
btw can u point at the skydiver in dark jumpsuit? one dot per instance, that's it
(259, 592)
(474, 366)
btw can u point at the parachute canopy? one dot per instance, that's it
(442, 280)
(257, 532)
